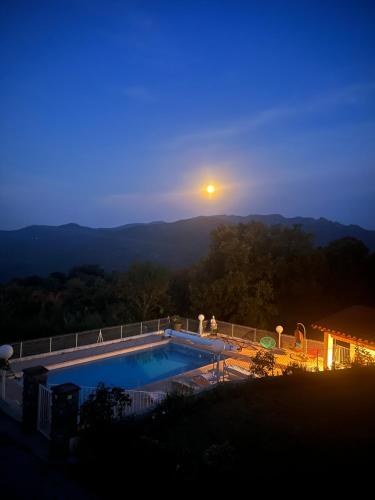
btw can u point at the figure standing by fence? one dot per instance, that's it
(213, 326)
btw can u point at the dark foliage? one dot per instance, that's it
(263, 364)
(295, 425)
(176, 245)
(253, 274)
(100, 407)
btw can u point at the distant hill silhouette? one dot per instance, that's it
(44, 249)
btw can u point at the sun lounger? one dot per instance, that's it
(237, 370)
(200, 381)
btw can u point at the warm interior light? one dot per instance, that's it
(210, 189)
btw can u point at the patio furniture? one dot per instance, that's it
(237, 370)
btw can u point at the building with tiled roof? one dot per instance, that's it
(354, 326)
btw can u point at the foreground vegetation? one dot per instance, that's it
(289, 425)
(253, 274)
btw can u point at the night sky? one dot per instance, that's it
(115, 112)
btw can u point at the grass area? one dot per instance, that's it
(282, 424)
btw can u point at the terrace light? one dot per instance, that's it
(201, 319)
(279, 330)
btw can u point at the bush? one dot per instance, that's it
(263, 364)
(102, 406)
(362, 358)
(4, 364)
(294, 369)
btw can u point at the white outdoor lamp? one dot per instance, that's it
(279, 330)
(201, 319)
(6, 352)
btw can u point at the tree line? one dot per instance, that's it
(253, 274)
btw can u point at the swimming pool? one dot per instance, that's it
(134, 369)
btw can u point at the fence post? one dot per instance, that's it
(76, 340)
(121, 332)
(32, 377)
(64, 417)
(141, 327)
(159, 325)
(50, 344)
(21, 350)
(187, 324)
(334, 354)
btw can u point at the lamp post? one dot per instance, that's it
(279, 330)
(201, 319)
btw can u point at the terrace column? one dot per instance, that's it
(352, 352)
(32, 377)
(64, 417)
(328, 351)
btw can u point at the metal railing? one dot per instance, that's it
(44, 410)
(139, 402)
(229, 329)
(311, 358)
(249, 333)
(86, 338)
(78, 340)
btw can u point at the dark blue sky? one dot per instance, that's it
(115, 111)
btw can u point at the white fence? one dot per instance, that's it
(241, 332)
(72, 341)
(140, 401)
(79, 340)
(313, 349)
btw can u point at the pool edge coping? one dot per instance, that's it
(109, 354)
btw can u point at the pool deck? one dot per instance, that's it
(237, 364)
(205, 376)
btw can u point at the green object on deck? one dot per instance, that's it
(267, 342)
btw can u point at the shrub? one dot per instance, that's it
(294, 369)
(263, 364)
(362, 358)
(103, 405)
(4, 364)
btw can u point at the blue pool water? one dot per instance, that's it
(134, 369)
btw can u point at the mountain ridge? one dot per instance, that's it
(41, 249)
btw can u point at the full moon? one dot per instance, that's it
(210, 189)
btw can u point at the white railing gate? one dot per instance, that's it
(44, 410)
